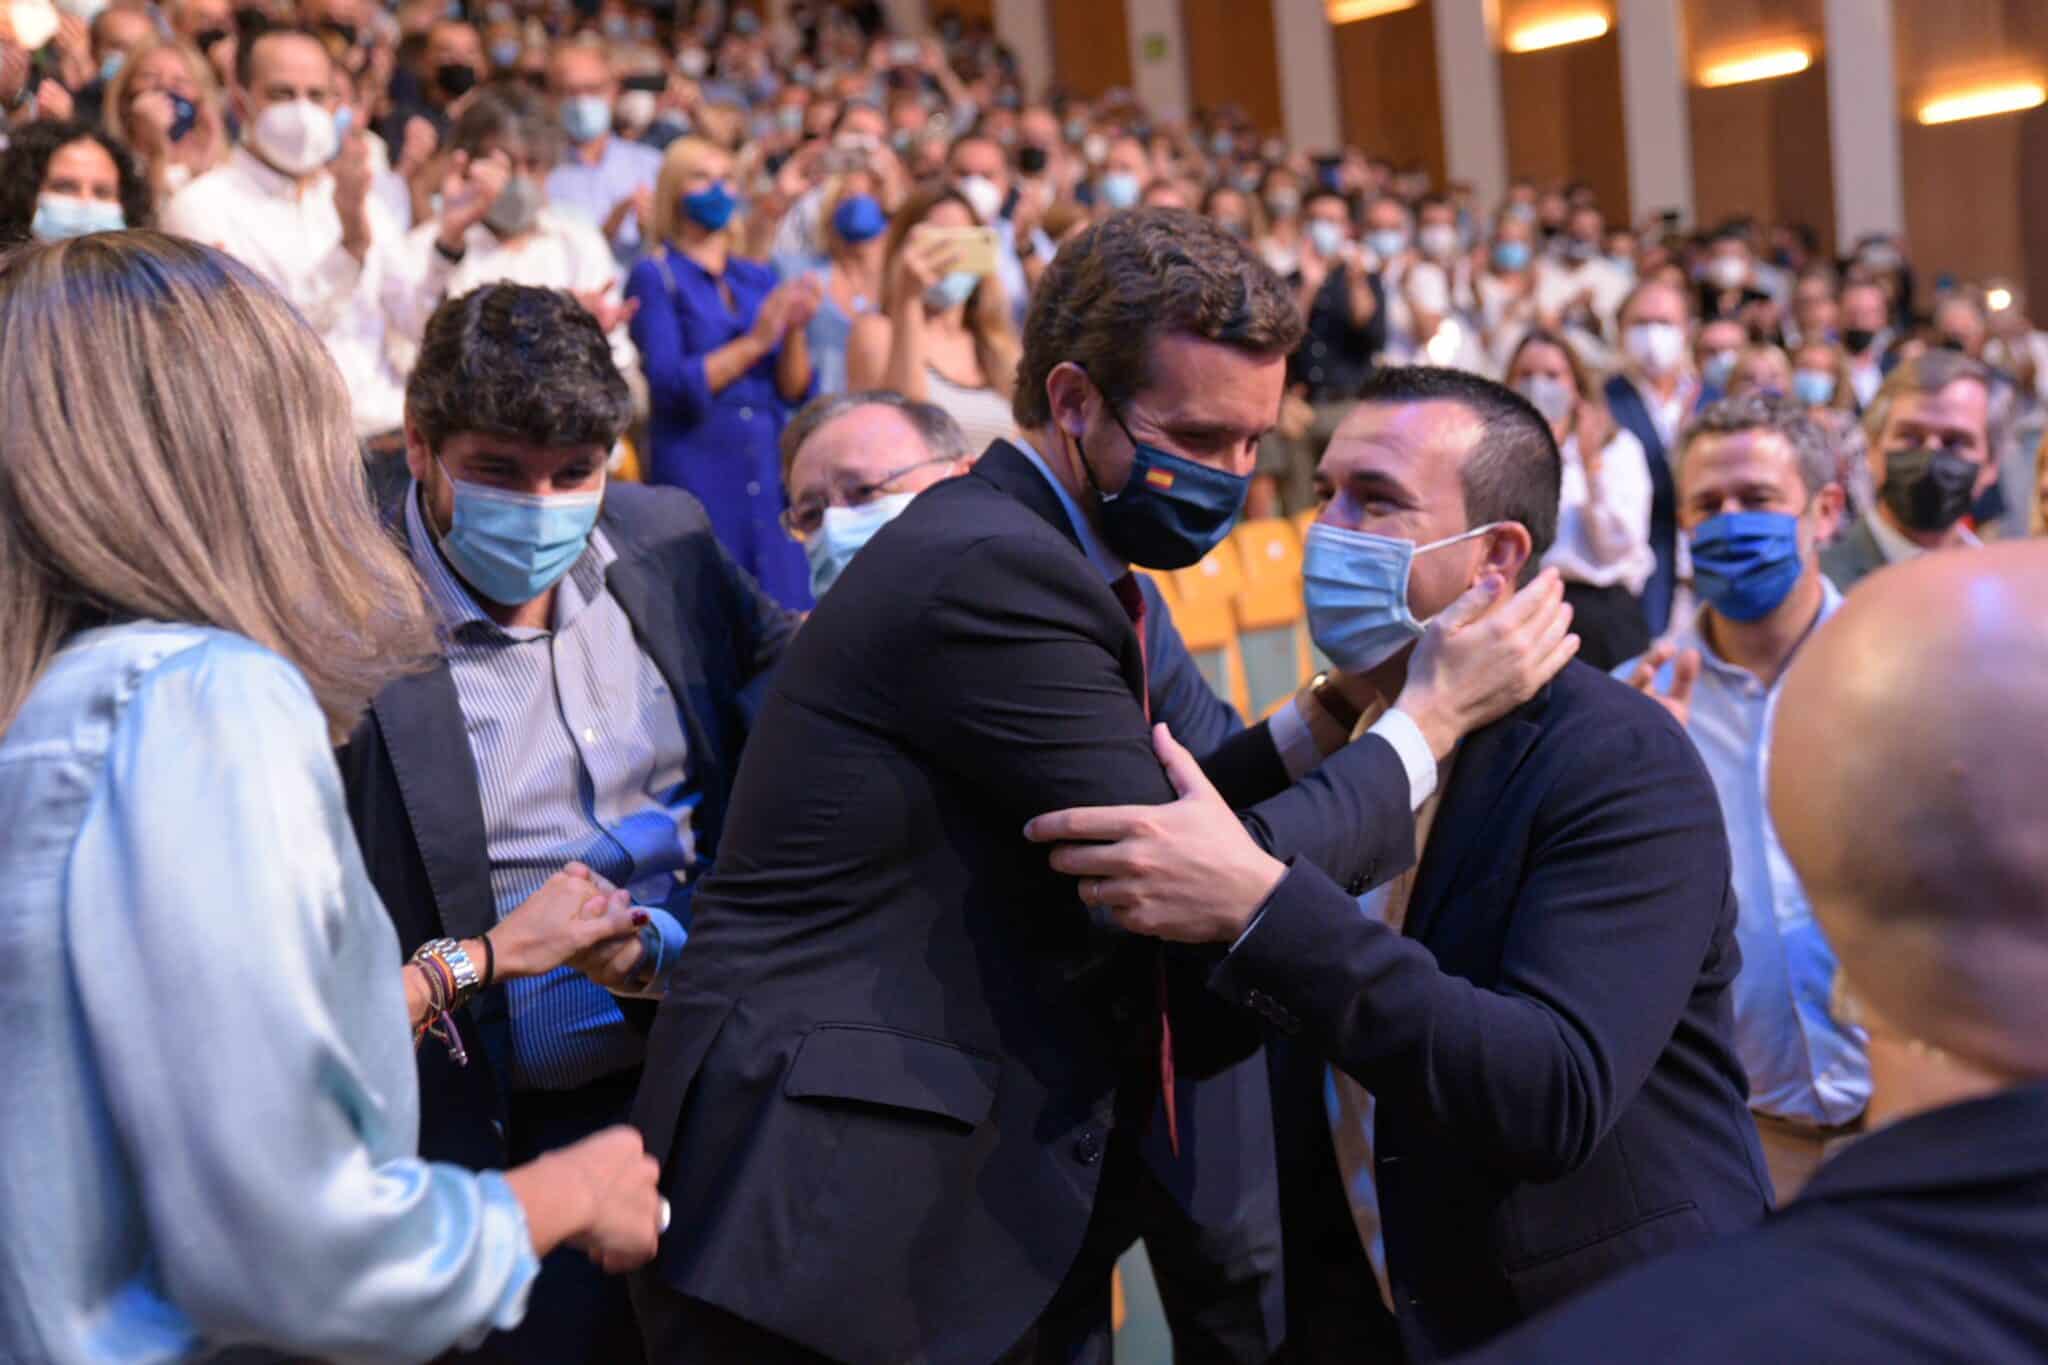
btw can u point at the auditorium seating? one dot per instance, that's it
(1239, 612)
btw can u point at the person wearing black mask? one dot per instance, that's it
(210, 26)
(450, 66)
(1930, 459)
(1866, 336)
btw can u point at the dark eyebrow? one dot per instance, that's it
(1365, 482)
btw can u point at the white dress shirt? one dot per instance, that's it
(1803, 1066)
(1605, 542)
(291, 237)
(561, 252)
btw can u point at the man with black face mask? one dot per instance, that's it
(1930, 459)
(917, 1094)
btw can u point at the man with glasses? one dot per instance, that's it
(852, 462)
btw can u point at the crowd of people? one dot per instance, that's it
(607, 533)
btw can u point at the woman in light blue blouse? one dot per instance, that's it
(203, 1015)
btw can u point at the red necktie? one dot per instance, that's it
(1133, 602)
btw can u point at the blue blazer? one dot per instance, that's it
(1549, 1038)
(1925, 1241)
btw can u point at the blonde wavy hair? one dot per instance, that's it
(118, 117)
(179, 447)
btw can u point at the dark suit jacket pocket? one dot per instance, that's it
(1541, 1283)
(870, 1065)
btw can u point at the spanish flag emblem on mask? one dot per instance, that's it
(1161, 479)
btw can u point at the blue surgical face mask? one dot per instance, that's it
(1355, 586)
(59, 216)
(1815, 388)
(512, 547)
(586, 118)
(1387, 243)
(844, 531)
(1120, 189)
(859, 218)
(1511, 255)
(952, 290)
(111, 67)
(1717, 368)
(1171, 511)
(711, 209)
(1745, 564)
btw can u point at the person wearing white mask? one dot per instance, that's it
(293, 203)
(980, 170)
(607, 179)
(1602, 550)
(852, 463)
(1390, 237)
(1126, 170)
(62, 180)
(1650, 398)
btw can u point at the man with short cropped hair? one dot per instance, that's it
(1923, 843)
(1932, 455)
(1514, 1073)
(914, 1095)
(1757, 498)
(604, 656)
(605, 178)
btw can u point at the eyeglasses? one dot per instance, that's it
(803, 519)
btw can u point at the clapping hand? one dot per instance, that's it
(468, 191)
(1684, 674)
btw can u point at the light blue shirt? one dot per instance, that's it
(593, 190)
(213, 1134)
(580, 757)
(1802, 1065)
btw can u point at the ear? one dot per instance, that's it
(1507, 547)
(418, 458)
(1071, 396)
(1828, 506)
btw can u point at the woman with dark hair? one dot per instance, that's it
(68, 179)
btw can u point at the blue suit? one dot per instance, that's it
(724, 447)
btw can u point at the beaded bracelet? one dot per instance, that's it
(441, 1002)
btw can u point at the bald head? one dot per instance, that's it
(1907, 785)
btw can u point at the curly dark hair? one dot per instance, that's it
(1136, 277)
(527, 364)
(27, 160)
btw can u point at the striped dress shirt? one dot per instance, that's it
(580, 756)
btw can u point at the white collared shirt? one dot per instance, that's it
(561, 252)
(291, 238)
(1605, 542)
(1802, 1065)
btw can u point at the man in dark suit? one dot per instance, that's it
(602, 664)
(851, 460)
(902, 1083)
(1533, 1080)
(1927, 1239)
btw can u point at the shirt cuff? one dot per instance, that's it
(661, 942)
(1259, 913)
(1288, 729)
(1397, 728)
